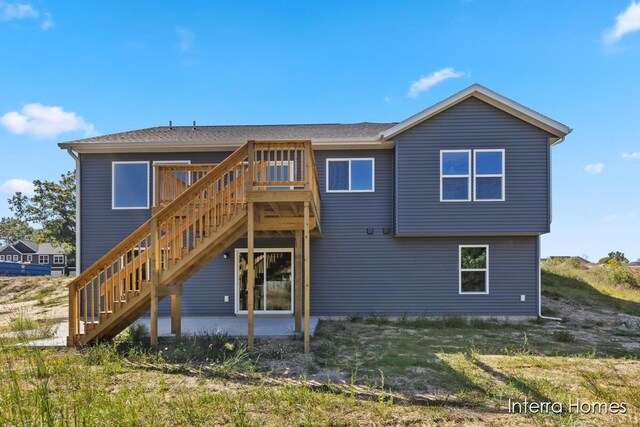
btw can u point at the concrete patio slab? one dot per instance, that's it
(233, 326)
(264, 327)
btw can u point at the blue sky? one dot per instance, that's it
(115, 66)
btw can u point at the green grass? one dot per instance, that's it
(367, 370)
(605, 287)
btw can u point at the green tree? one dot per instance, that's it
(617, 256)
(12, 229)
(53, 208)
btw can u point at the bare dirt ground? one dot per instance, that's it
(40, 298)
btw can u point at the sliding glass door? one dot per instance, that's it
(273, 291)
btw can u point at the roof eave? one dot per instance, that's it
(136, 147)
(555, 128)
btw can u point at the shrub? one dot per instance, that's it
(563, 336)
(619, 275)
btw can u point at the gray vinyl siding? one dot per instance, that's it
(472, 124)
(351, 271)
(103, 227)
(9, 251)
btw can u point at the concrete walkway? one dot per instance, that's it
(264, 327)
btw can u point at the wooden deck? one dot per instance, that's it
(264, 189)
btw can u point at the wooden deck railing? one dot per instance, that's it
(172, 179)
(205, 203)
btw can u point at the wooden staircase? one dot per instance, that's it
(188, 230)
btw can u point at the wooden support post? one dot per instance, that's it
(251, 276)
(307, 278)
(155, 279)
(176, 313)
(298, 272)
(73, 316)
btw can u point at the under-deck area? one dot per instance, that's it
(265, 189)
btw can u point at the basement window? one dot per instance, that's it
(350, 175)
(130, 185)
(474, 269)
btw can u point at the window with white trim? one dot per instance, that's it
(350, 175)
(130, 185)
(29, 258)
(488, 177)
(1, 257)
(43, 259)
(16, 258)
(473, 268)
(455, 175)
(58, 259)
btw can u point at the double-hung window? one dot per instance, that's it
(488, 177)
(43, 259)
(474, 269)
(1, 257)
(130, 185)
(16, 258)
(350, 175)
(29, 258)
(455, 175)
(58, 259)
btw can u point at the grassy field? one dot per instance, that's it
(363, 371)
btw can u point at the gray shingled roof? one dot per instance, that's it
(240, 133)
(49, 249)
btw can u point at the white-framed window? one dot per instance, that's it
(16, 258)
(130, 185)
(184, 176)
(488, 175)
(273, 291)
(29, 258)
(351, 175)
(1, 257)
(473, 266)
(58, 259)
(43, 259)
(455, 175)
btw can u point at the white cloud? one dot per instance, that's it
(427, 82)
(44, 121)
(48, 21)
(610, 218)
(388, 99)
(626, 22)
(11, 11)
(594, 168)
(15, 185)
(186, 38)
(631, 156)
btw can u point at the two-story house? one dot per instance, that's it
(30, 252)
(440, 213)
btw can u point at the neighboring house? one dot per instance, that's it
(438, 214)
(28, 251)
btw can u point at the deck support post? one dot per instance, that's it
(176, 313)
(251, 276)
(298, 272)
(307, 278)
(73, 316)
(155, 278)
